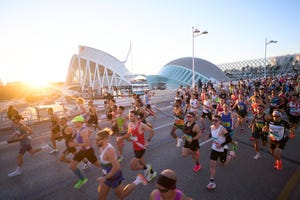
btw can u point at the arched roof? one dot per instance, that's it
(93, 68)
(103, 58)
(203, 67)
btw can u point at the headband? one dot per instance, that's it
(276, 112)
(166, 182)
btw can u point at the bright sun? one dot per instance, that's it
(37, 82)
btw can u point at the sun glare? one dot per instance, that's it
(37, 83)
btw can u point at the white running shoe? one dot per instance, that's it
(86, 165)
(53, 151)
(15, 173)
(179, 142)
(257, 156)
(50, 145)
(141, 179)
(232, 154)
(150, 176)
(211, 185)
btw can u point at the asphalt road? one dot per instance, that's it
(44, 177)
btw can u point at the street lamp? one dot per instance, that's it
(195, 33)
(266, 44)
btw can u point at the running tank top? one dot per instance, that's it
(21, 131)
(188, 130)
(259, 122)
(226, 121)
(105, 165)
(177, 196)
(274, 101)
(139, 137)
(79, 139)
(68, 137)
(242, 107)
(294, 108)
(217, 139)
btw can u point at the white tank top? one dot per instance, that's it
(217, 139)
(102, 154)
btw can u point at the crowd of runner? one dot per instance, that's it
(270, 108)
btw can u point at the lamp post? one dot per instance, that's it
(266, 44)
(195, 33)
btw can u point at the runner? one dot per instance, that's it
(67, 133)
(120, 125)
(55, 131)
(178, 122)
(83, 141)
(293, 113)
(206, 110)
(93, 116)
(166, 187)
(69, 136)
(277, 128)
(111, 169)
(242, 109)
(230, 121)
(80, 109)
(259, 120)
(191, 146)
(21, 132)
(219, 149)
(136, 134)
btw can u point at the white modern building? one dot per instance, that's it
(93, 69)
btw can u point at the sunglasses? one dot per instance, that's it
(189, 116)
(163, 190)
(214, 120)
(276, 116)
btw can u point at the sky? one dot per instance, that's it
(39, 37)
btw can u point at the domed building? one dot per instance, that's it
(180, 72)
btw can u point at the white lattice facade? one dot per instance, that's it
(93, 68)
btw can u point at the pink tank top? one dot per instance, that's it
(177, 196)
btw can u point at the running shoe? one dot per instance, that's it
(151, 176)
(197, 168)
(141, 179)
(257, 156)
(120, 158)
(211, 185)
(86, 165)
(179, 142)
(149, 168)
(234, 146)
(15, 173)
(53, 151)
(80, 183)
(292, 135)
(252, 138)
(278, 165)
(242, 130)
(232, 154)
(50, 145)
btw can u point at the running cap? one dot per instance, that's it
(78, 118)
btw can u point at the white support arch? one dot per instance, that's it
(108, 72)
